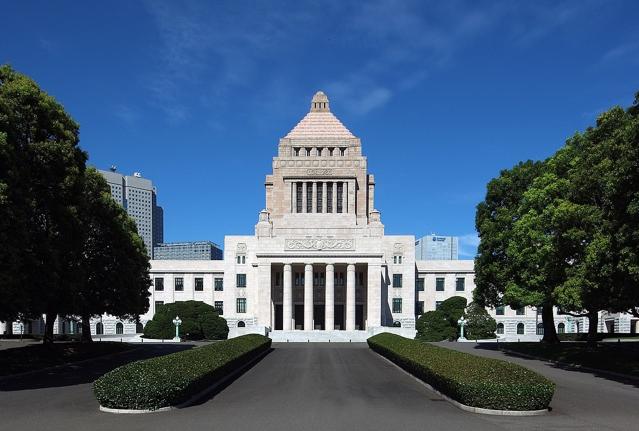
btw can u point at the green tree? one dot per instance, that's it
(112, 263)
(41, 167)
(441, 324)
(480, 325)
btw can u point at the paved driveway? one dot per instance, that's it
(295, 387)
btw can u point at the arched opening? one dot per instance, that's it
(500, 328)
(99, 328)
(540, 329)
(561, 328)
(119, 328)
(520, 329)
(241, 324)
(578, 324)
(397, 324)
(139, 328)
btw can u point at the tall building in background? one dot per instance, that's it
(194, 250)
(138, 196)
(435, 247)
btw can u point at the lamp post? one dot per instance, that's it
(461, 322)
(177, 322)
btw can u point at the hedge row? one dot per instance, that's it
(468, 379)
(172, 379)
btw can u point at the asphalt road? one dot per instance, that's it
(307, 387)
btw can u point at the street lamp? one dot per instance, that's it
(461, 322)
(177, 322)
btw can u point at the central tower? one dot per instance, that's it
(320, 183)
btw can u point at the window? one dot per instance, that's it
(119, 328)
(308, 152)
(520, 329)
(339, 279)
(219, 284)
(397, 305)
(439, 284)
(561, 328)
(298, 197)
(329, 196)
(159, 284)
(499, 311)
(240, 280)
(460, 284)
(540, 310)
(99, 328)
(139, 328)
(438, 304)
(241, 324)
(360, 278)
(199, 284)
(521, 311)
(340, 193)
(240, 305)
(397, 324)
(397, 259)
(179, 284)
(309, 197)
(342, 151)
(419, 308)
(296, 151)
(420, 284)
(540, 329)
(320, 193)
(500, 328)
(219, 307)
(278, 278)
(241, 259)
(397, 280)
(158, 304)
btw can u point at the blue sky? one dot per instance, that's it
(195, 95)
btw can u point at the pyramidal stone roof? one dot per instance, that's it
(320, 123)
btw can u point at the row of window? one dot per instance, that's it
(319, 279)
(240, 306)
(521, 328)
(319, 198)
(440, 284)
(500, 310)
(308, 151)
(178, 284)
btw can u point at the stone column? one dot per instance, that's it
(304, 196)
(374, 296)
(324, 197)
(344, 196)
(264, 294)
(287, 298)
(293, 197)
(351, 197)
(329, 299)
(308, 297)
(334, 185)
(314, 203)
(350, 297)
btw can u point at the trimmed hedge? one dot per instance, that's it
(172, 379)
(469, 379)
(199, 321)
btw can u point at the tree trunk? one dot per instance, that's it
(48, 328)
(86, 329)
(593, 323)
(548, 320)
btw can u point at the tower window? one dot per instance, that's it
(329, 197)
(342, 151)
(309, 197)
(330, 152)
(308, 152)
(340, 192)
(298, 197)
(296, 151)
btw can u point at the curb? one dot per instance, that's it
(196, 397)
(572, 365)
(67, 364)
(465, 407)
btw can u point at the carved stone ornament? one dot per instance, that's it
(241, 247)
(320, 244)
(398, 248)
(319, 172)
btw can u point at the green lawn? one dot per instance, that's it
(616, 357)
(38, 356)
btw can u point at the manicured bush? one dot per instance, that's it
(172, 379)
(471, 380)
(441, 324)
(199, 321)
(480, 325)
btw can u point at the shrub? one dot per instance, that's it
(480, 324)
(172, 379)
(434, 326)
(469, 379)
(441, 324)
(199, 321)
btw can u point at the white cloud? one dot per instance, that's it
(468, 245)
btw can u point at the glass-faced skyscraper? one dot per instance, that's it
(436, 247)
(138, 196)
